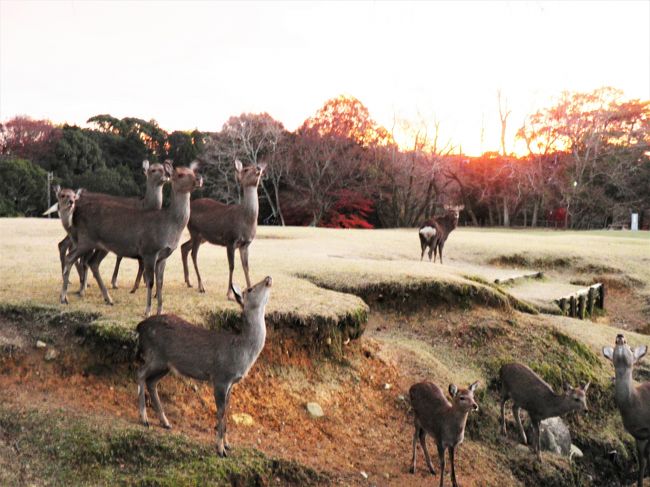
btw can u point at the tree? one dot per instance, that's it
(27, 138)
(23, 187)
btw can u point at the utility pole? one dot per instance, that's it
(50, 176)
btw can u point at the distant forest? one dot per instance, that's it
(588, 166)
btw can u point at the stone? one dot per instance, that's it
(387, 386)
(364, 474)
(555, 436)
(314, 410)
(575, 452)
(40, 344)
(51, 354)
(242, 419)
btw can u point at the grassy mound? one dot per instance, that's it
(64, 450)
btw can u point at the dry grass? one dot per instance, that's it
(341, 259)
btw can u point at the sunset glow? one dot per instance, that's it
(193, 65)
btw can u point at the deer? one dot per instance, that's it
(157, 175)
(232, 226)
(528, 391)
(434, 232)
(167, 342)
(633, 401)
(444, 420)
(152, 235)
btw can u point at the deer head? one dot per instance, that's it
(156, 173)
(255, 296)
(249, 175)
(576, 396)
(622, 356)
(66, 198)
(463, 399)
(185, 179)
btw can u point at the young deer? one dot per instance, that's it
(233, 226)
(152, 235)
(157, 175)
(528, 391)
(633, 401)
(434, 232)
(444, 420)
(66, 200)
(222, 357)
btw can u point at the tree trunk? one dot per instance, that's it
(490, 217)
(533, 223)
(506, 215)
(525, 210)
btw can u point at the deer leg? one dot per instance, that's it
(160, 275)
(226, 444)
(430, 251)
(522, 434)
(230, 250)
(504, 431)
(152, 387)
(138, 278)
(441, 455)
(82, 269)
(149, 264)
(423, 443)
(452, 459)
(195, 260)
(63, 250)
(115, 272)
(143, 374)
(95, 261)
(423, 247)
(441, 245)
(70, 259)
(416, 434)
(536, 441)
(185, 249)
(640, 451)
(220, 395)
(243, 254)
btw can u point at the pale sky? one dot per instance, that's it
(194, 64)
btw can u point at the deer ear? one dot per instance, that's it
(57, 190)
(169, 168)
(608, 352)
(262, 166)
(238, 294)
(77, 195)
(639, 352)
(453, 390)
(145, 165)
(238, 165)
(585, 387)
(473, 386)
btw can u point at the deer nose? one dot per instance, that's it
(268, 281)
(620, 339)
(475, 407)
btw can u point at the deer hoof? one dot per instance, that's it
(412, 470)
(188, 284)
(132, 291)
(222, 452)
(145, 424)
(64, 300)
(167, 426)
(227, 446)
(433, 472)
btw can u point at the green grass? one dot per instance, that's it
(58, 449)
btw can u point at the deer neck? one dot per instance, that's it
(153, 196)
(66, 218)
(255, 326)
(449, 223)
(250, 205)
(623, 388)
(179, 208)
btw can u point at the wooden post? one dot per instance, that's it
(572, 306)
(562, 304)
(590, 301)
(601, 297)
(582, 306)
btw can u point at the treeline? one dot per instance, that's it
(588, 165)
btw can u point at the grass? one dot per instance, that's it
(57, 449)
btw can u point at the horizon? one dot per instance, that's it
(281, 58)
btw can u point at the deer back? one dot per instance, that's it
(221, 224)
(525, 387)
(429, 405)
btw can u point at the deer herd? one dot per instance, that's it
(142, 229)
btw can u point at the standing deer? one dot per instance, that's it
(152, 235)
(222, 357)
(66, 200)
(528, 391)
(157, 175)
(444, 420)
(633, 401)
(233, 226)
(435, 231)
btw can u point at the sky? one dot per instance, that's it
(194, 64)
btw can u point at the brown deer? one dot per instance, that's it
(152, 235)
(66, 200)
(633, 401)
(157, 175)
(444, 420)
(528, 391)
(222, 357)
(434, 232)
(233, 226)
